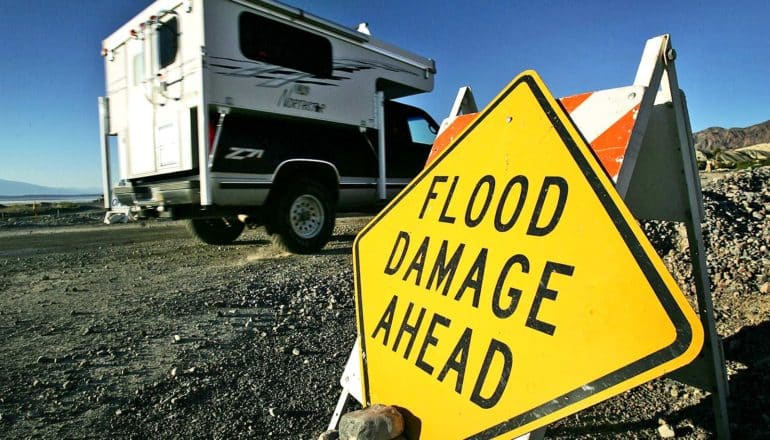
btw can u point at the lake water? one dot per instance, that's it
(28, 200)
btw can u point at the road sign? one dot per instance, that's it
(509, 286)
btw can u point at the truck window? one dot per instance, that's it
(269, 41)
(168, 42)
(421, 130)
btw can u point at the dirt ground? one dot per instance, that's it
(138, 331)
(93, 319)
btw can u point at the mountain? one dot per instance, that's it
(718, 138)
(12, 188)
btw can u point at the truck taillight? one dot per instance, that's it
(212, 135)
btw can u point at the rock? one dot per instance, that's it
(764, 288)
(329, 435)
(44, 360)
(378, 422)
(666, 431)
(177, 338)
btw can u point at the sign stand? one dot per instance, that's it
(350, 383)
(659, 181)
(656, 158)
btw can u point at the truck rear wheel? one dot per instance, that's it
(303, 217)
(223, 230)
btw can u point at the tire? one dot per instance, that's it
(302, 217)
(223, 230)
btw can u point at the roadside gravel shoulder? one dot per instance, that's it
(140, 332)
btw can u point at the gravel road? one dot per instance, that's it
(137, 331)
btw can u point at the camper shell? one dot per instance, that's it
(232, 111)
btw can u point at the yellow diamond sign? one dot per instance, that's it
(509, 286)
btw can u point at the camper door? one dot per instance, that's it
(155, 80)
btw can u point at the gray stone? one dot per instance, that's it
(329, 435)
(378, 422)
(674, 392)
(44, 360)
(666, 431)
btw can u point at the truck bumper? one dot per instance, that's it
(159, 193)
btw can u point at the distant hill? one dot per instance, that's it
(717, 138)
(11, 188)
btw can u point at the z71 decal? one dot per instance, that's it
(239, 153)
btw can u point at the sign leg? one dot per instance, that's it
(712, 355)
(338, 410)
(714, 360)
(538, 434)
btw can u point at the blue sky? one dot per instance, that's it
(52, 72)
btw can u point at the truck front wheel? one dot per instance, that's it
(303, 217)
(223, 230)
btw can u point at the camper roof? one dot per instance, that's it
(285, 12)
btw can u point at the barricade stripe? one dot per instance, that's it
(599, 112)
(610, 146)
(570, 103)
(605, 124)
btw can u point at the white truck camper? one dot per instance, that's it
(231, 113)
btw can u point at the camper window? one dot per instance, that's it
(262, 39)
(168, 33)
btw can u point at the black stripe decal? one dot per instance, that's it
(224, 66)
